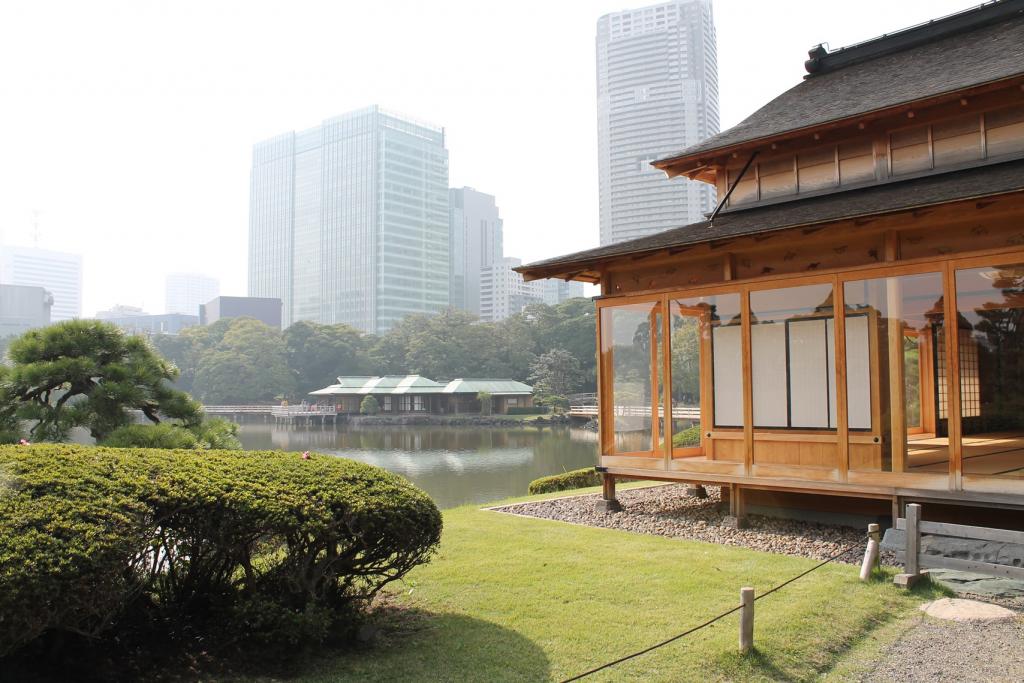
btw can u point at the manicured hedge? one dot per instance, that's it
(261, 548)
(576, 479)
(527, 410)
(687, 437)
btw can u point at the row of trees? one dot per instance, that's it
(240, 361)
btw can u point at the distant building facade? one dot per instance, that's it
(348, 221)
(475, 237)
(555, 291)
(148, 325)
(58, 272)
(23, 308)
(503, 292)
(657, 92)
(119, 311)
(265, 309)
(186, 292)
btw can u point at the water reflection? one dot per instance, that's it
(455, 465)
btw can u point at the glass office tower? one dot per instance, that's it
(657, 93)
(348, 221)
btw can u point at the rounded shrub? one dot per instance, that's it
(257, 550)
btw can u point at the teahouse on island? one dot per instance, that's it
(849, 322)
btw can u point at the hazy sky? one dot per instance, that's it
(129, 125)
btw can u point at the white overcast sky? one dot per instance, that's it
(129, 125)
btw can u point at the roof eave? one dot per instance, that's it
(605, 262)
(702, 161)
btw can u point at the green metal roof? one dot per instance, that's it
(417, 384)
(503, 387)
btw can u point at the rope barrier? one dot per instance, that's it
(721, 616)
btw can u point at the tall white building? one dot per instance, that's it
(657, 93)
(475, 235)
(58, 272)
(503, 292)
(186, 292)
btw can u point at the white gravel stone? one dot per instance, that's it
(668, 511)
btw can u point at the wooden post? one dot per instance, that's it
(912, 568)
(746, 620)
(913, 537)
(608, 502)
(871, 554)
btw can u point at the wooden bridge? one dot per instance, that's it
(301, 413)
(585, 406)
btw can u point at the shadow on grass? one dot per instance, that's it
(419, 645)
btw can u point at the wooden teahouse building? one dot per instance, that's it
(850, 320)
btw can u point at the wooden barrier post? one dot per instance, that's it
(746, 620)
(871, 553)
(912, 567)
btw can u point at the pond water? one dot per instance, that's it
(455, 465)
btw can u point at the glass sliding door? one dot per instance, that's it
(990, 321)
(792, 337)
(706, 368)
(895, 374)
(632, 377)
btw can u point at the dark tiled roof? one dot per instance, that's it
(987, 54)
(980, 181)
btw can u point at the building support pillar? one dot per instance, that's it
(608, 501)
(696, 491)
(737, 517)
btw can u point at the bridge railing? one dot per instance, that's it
(236, 410)
(303, 411)
(678, 413)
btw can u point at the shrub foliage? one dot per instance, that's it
(575, 479)
(528, 410)
(256, 548)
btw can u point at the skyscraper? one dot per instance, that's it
(186, 292)
(348, 221)
(657, 93)
(476, 243)
(58, 272)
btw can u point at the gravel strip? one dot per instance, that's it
(668, 511)
(935, 650)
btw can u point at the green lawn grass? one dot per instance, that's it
(517, 599)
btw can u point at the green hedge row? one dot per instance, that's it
(528, 410)
(575, 479)
(261, 548)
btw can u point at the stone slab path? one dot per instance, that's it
(958, 609)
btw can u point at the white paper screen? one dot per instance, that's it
(809, 374)
(728, 381)
(768, 356)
